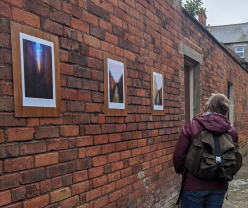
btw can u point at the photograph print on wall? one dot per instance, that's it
(157, 91)
(116, 89)
(38, 72)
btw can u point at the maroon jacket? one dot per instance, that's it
(212, 122)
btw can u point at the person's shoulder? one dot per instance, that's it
(233, 133)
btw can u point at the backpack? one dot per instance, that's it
(213, 156)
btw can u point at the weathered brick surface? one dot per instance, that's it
(84, 158)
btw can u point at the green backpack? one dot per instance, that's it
(213, 156)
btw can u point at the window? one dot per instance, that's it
(239, 51)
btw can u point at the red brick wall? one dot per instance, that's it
(84, 158)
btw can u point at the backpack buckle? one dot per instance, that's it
(218, 159)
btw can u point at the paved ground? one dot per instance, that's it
(238, 189)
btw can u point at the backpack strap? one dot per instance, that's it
(182, 185)
(217, 152)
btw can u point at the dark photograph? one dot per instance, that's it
(38, 76)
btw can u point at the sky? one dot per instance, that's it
(225, 12)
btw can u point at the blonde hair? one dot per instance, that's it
(218, 103)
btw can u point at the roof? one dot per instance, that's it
(230, 33)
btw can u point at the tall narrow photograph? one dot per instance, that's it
(157, 91)
(116, 90)
(37, 67)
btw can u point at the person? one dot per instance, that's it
(199, 192)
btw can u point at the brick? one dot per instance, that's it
(57, 144)
(9, 150)
(114, 157)
(100, 139)
(84, 141)
(97, 32)
(47, 132)
(36, 7)
(29, 148)
(2, 137)
(26, 17)
(5, 10)
(91, 41)
(71, 202)
(51, 26)
(60, 17)
(80, 176)
(82, 72)
(18, 194)
(114, 138)
(72, 9)
(57, 182)
(33, 190)
(67, 155)
(20, 134)
(51, 121)
(54, 3)
(45, 186)
(69, 131)
(108, 188)
(32, 121)
(7, 88)
(80, 188)
(95, 172)
(93, 194)
(17, 3)
(108, 128)
(101, 202)
(92, 19)
(108, 148)
(84, 163)
(97, 182)
(94, 63)
(6, 104)
(79, 25)
(66, 69)
(5, 196)
(93, 129)
(93, 108)
(97, 97)
(9, 181)
(99, 12)
(69, 94)
(40, 201)
(73, 82)
(14, 165)
(80, 119)
(46, 159)
(60, 194)
(5, 71)
(93, 151)
(67, 180)
(105, 25)
(76, 58)
(100, 160)
(33, 176)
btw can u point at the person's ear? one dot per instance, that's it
(206, 107)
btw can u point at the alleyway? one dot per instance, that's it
(238, 189)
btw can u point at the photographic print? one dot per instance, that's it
(37, 69)
(116, 90)
(36, 72)
(115, 85)
(157, 91)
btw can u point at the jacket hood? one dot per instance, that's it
(214, 122)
